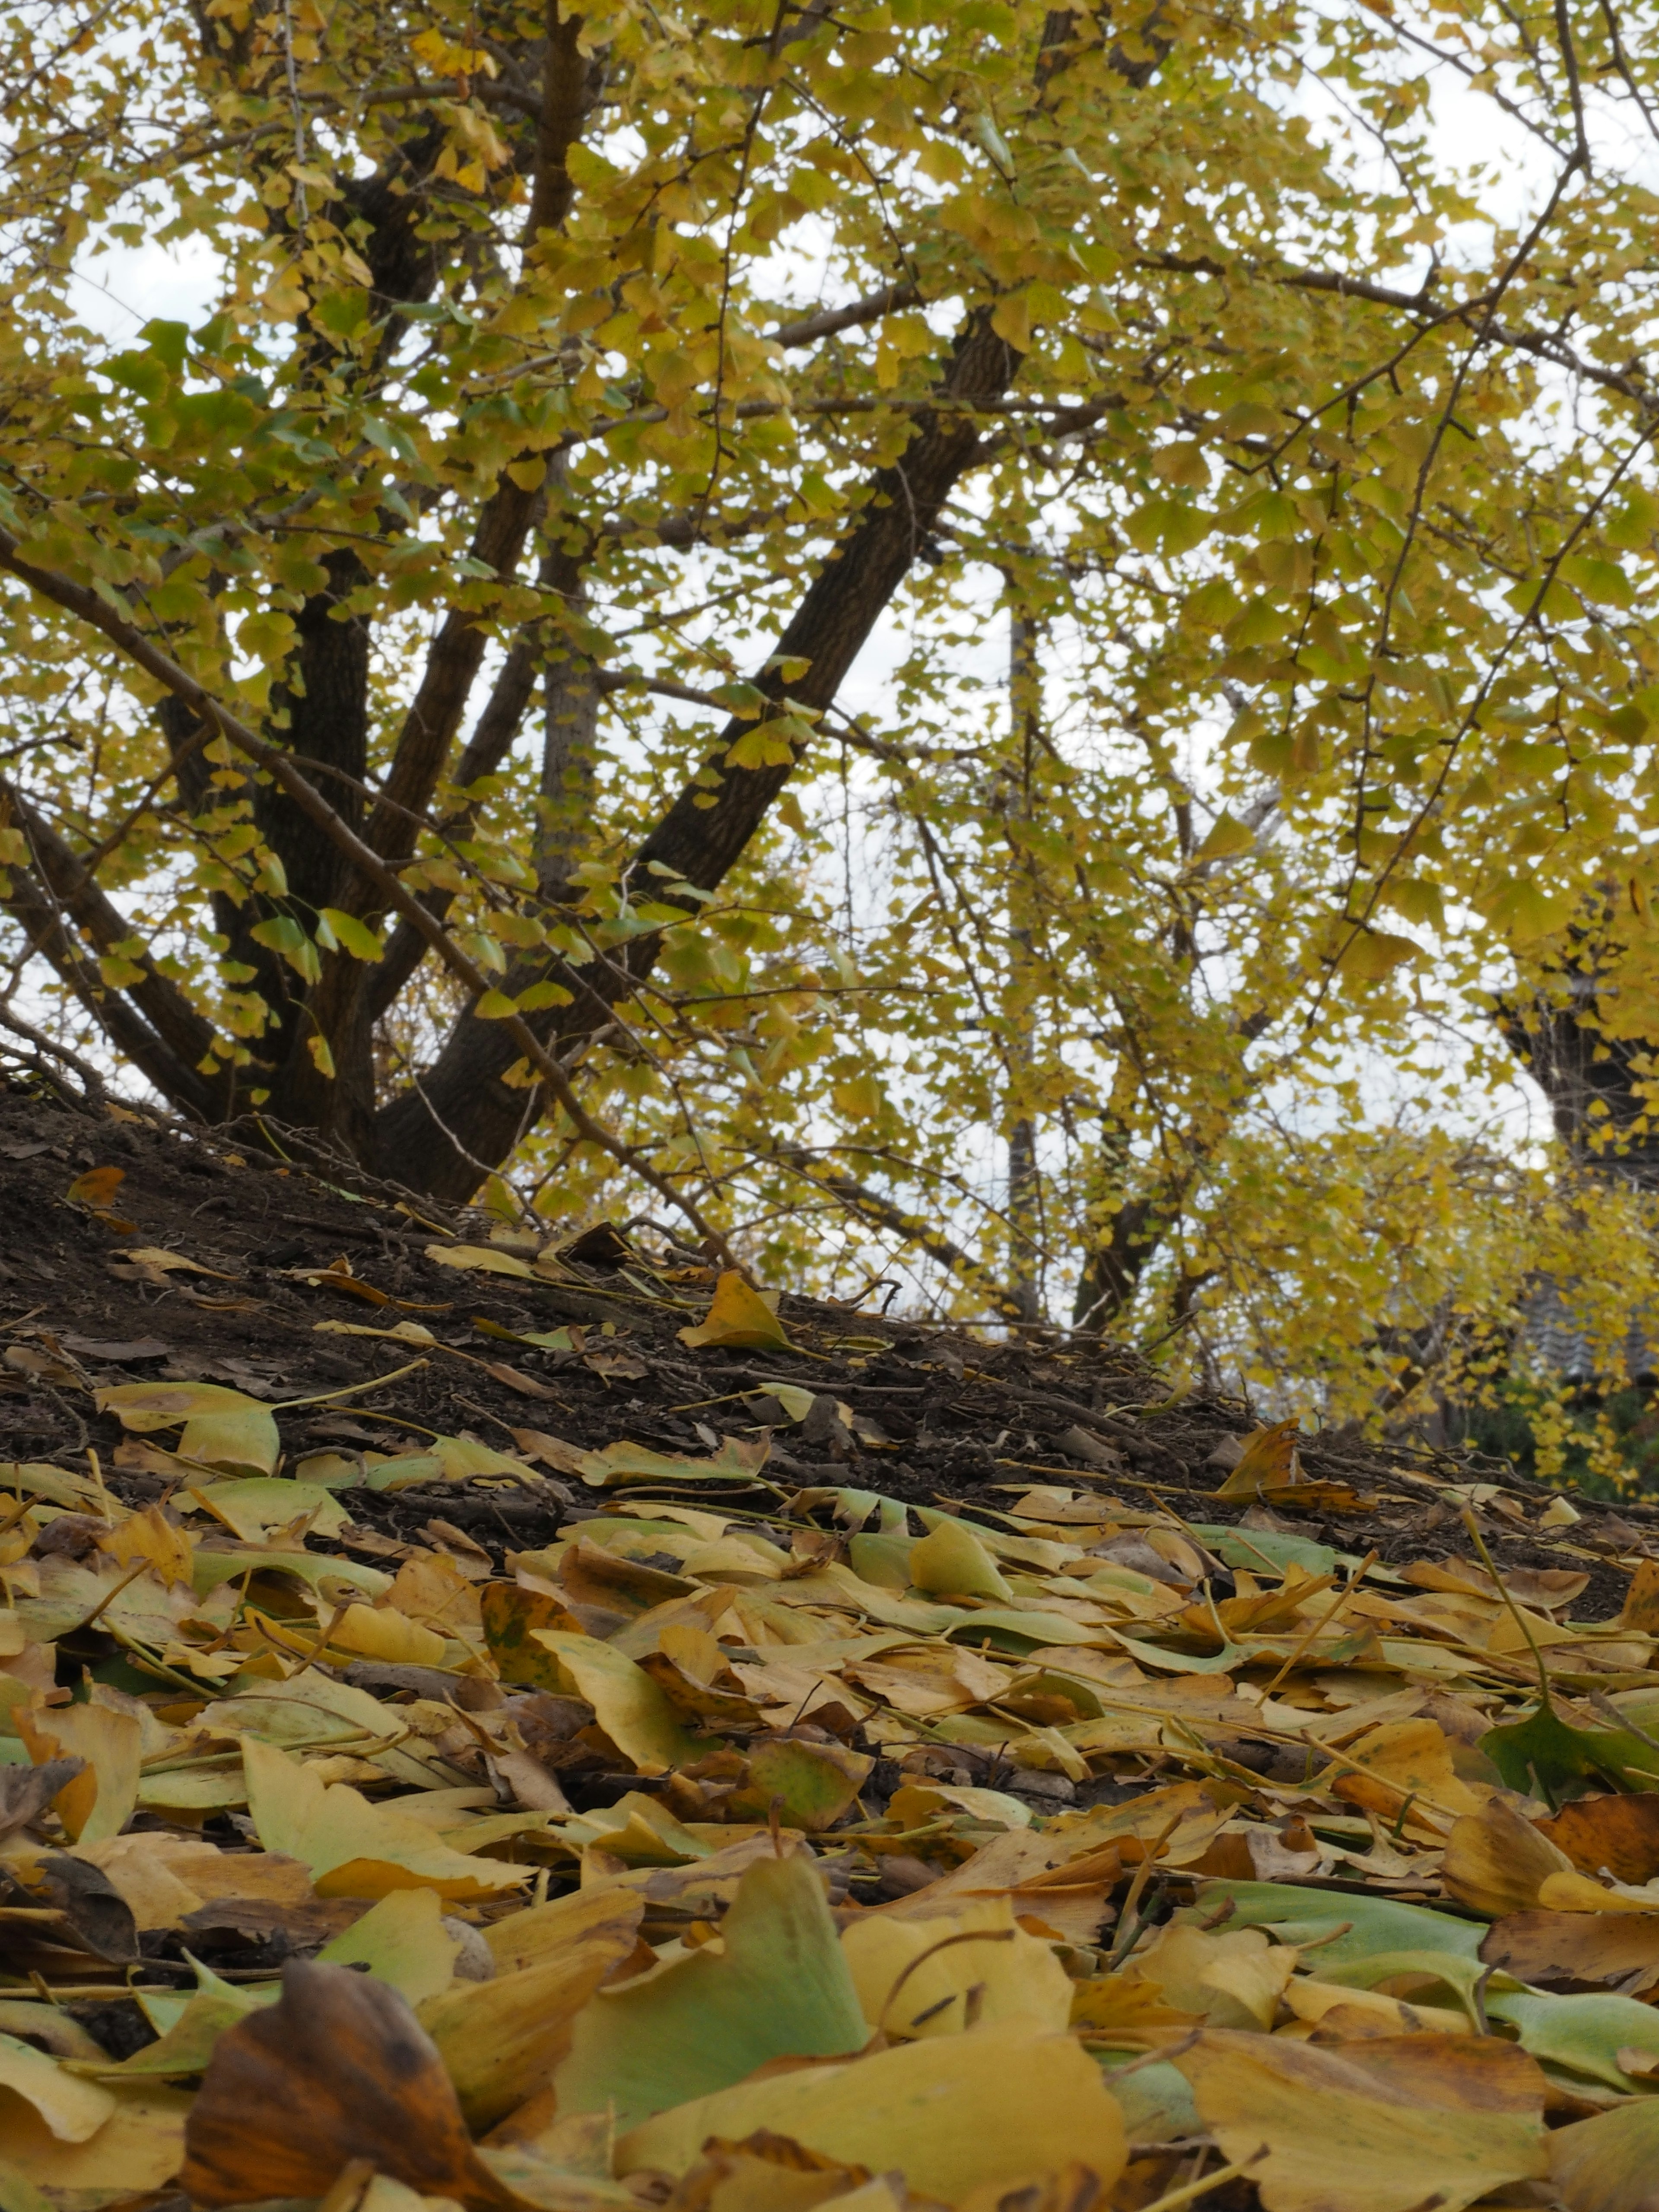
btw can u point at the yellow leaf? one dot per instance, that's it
(140, 2145)
(222, 1428)
(72, 2109)
(917, 1977)
(627, 1704)
(355, 1849)
(952, 1562)
(1351, 2131)
(739, 1315)
(150, 1535)
(539, 1931)
(484, 1259)
(1235, 1978)
(98, 1803)
(952, 2112)
(1228, 838)
(502, 2039)
(157, 1256)
(382, 1633)
(1372, 955)
(1269, 1459)
(1608, 2164)
(1401, 1761)
(1496, 1862)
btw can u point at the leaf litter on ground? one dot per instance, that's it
(753, 1837)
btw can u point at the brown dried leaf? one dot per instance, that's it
(338, 2068)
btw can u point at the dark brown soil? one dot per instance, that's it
(955, 1415)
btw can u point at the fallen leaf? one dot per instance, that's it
(627, 1704)
(951, 2114)
(808, 1785)
(738, 1317)
(136, 2149)
(221, 1427)
(1269, 1461)
(345, 2052)
(74, 2110)
(939, 1975)
(779, 1988)
(98, 1800)
(166, 1262)
(1341, 2136)
(1542, 1754)
(1608, 2164)
(1591, 2035)
(147, 1534)
(502, 2039)
(120, 1350)
(1613, 1835)
(1576, 1947)
(1497, 1861)
(96, 1188)
(481, 1259)
(952, 1562)
(403, 1940)
(352, 1848)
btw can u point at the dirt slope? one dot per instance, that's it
(285, 1261)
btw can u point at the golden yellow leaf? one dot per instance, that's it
(951, 2114)
(382, 1632)
(1497, 1861)
(98, 1802)
(952, 1562)
(140, 2145)
(352, 1848)
(630, 1708)
(502, 2039)
(150, 1535)
(933, 1977)
(739, 1316)
(1608, 2164)
(1343, 2134)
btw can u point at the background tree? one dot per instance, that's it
(426, 671)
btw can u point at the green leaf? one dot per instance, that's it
(358, 938)
(780, 1988)
(1375, 1924)
(1583, 2032)
(1543, 1754)
(1603, 580)
(281, 933)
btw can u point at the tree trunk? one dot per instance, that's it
(463, 1106)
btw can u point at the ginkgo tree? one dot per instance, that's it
(425, 672)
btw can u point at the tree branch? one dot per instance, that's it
(77, 599)
(186, 1037)
(881, 1212)
(824, 325)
